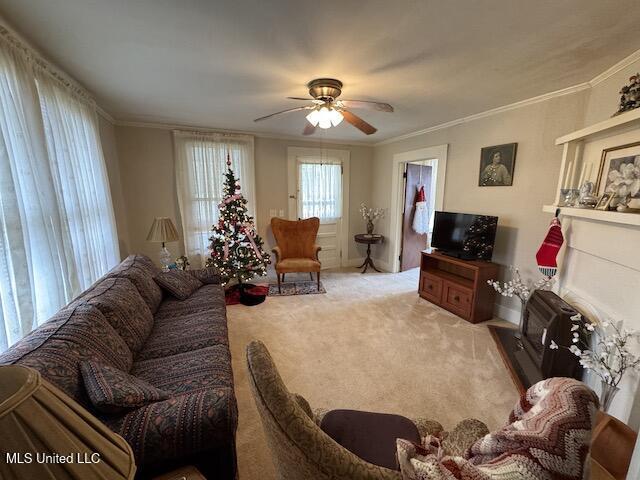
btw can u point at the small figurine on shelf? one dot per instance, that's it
(629, 95)
(182, 262)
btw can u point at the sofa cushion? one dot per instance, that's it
(298, 265)
(370, 436)
(178, 283)
(207, 275)
(123, 307)
(179, 427)
(188, 332)
(208, 298)
(140, 271)
(112, 390)
(56, 348)
(186, 372)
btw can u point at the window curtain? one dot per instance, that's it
(80, 180)
(39, 267)
(201, 163)
(320, 184)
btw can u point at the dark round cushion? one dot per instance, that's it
(370, 436)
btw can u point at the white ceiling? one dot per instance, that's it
(220, 64)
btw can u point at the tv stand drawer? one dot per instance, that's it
(457, 299)
(430, 287)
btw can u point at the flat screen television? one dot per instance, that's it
(464, 235)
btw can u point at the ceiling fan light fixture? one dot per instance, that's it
(325, 117)
(336, 117)
(314, 117)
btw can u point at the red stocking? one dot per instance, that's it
(549, 249)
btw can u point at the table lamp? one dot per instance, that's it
(46, 435)
(163, 230)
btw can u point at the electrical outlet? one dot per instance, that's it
(281, 215)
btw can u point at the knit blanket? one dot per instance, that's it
(547, 438)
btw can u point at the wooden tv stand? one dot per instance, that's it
(459, 286)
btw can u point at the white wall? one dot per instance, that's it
(110, 152)
(522, 224)
(146, 163)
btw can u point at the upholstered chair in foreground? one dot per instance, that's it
(547, 436)
(296, 249)
(300, 449)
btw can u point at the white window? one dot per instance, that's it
(57, 229)
(201, 165)
(320, 188)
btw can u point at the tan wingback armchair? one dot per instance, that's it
(296, 249)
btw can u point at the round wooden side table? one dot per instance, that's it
(368, 239)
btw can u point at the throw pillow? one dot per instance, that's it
(178, 283)
(111, 390)
(207, 275)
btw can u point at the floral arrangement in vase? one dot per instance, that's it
(371, 216)
(611, 356)
(517, 287)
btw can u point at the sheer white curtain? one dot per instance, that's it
(80, 180)
(38, 269)
(201, 162)
(320, 184)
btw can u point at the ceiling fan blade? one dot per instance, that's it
(359, 123)
(296, 109)
(379, 106)
(309, 129)
(317, 102)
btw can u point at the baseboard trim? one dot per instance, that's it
(353, 262)
(506, 313)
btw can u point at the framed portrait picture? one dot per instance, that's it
(604, 201)
(497, 164)
(619, 172)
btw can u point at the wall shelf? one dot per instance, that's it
(599, 215)
(622, 120)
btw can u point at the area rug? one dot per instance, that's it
(309, 287)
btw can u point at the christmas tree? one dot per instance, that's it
(236, 248)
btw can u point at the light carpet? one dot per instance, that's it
(371, 343)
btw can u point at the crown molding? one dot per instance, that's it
(176, 126)
(488, 113)
(622, 64)
(106, 115)
(611, 71)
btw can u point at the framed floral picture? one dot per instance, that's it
(619, 172)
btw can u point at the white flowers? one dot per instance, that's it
(371, 214)
(611, 357)
(626, 180)
(517, 287)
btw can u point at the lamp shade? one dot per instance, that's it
(46, 435)
(162, 230)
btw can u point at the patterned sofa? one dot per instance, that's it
(181, 347)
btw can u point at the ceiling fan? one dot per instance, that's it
(328, 111)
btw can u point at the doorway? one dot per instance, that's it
(318, 181)
(436, 158)
(415, 218)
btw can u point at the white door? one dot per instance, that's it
(319, 194)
